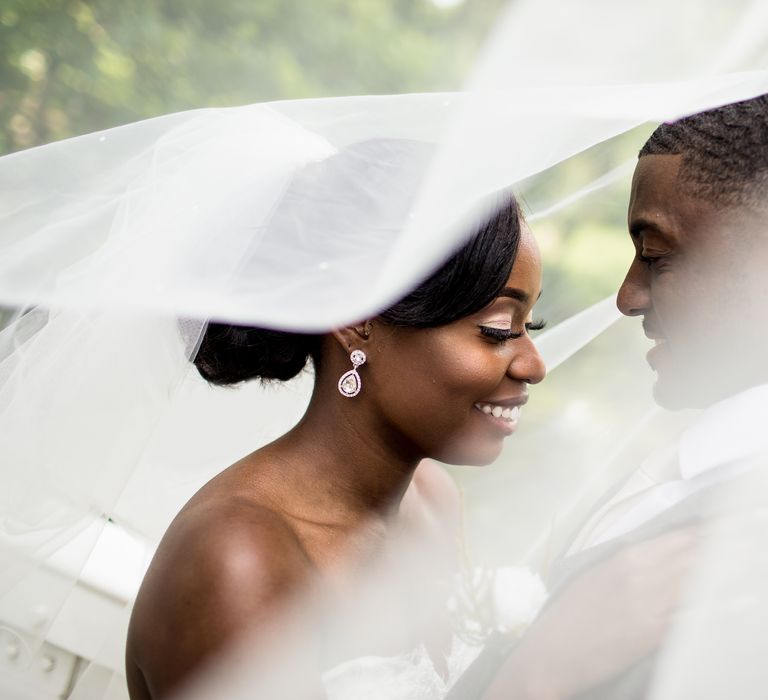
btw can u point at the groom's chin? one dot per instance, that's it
(669, 396)
(675, 391)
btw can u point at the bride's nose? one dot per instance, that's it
(527, 365)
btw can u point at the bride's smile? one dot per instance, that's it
(504, 413)
(454, 392)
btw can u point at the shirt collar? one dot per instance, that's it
(731, 429)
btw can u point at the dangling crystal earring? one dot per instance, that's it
(350, 384)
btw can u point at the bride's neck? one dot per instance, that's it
(352, 461)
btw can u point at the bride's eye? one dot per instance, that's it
(503, 334)
(499, 334)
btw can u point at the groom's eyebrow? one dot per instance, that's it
(638, 226)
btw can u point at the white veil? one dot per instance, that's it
(107, 240)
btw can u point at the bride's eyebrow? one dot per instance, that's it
(517, 294)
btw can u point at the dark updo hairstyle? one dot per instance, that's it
(470, 280)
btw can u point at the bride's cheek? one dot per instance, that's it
(486, 369)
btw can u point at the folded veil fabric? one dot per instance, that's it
(117, 247)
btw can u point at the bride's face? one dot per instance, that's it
(456, 391)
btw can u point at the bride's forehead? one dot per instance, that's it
(527, 238)
(526, 273)
(528, 253)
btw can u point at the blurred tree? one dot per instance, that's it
(73, 66)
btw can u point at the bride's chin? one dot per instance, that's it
(475, 454)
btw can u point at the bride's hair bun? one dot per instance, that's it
(231, 354)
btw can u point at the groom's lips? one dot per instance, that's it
(651, 331)
(660, 341)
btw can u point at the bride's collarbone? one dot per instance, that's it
(330, 542)
(260, 498)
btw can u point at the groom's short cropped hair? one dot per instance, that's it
(724, 150)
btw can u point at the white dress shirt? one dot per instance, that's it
(713, 449)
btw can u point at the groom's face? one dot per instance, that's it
(698, 279)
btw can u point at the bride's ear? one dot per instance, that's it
(354, 337)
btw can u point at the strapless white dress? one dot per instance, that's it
(409, 676)
(510, 596)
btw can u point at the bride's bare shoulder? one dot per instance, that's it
(225, 567)
(228, 533)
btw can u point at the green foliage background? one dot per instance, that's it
(69, 67)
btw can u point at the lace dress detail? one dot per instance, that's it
(409, 676)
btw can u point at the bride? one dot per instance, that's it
(443, 374)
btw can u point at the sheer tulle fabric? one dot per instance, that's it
(120, 245)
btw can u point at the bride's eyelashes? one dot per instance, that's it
(499, 334)
(503, 334)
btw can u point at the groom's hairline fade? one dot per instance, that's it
(724, 153)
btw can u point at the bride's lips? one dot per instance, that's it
(503, 413)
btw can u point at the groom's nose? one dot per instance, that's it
(634, 297)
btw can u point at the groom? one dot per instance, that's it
(698, 220)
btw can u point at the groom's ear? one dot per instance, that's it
(354, 337)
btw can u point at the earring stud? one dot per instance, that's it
(350, 383)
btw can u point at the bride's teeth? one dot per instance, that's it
(510, 413)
